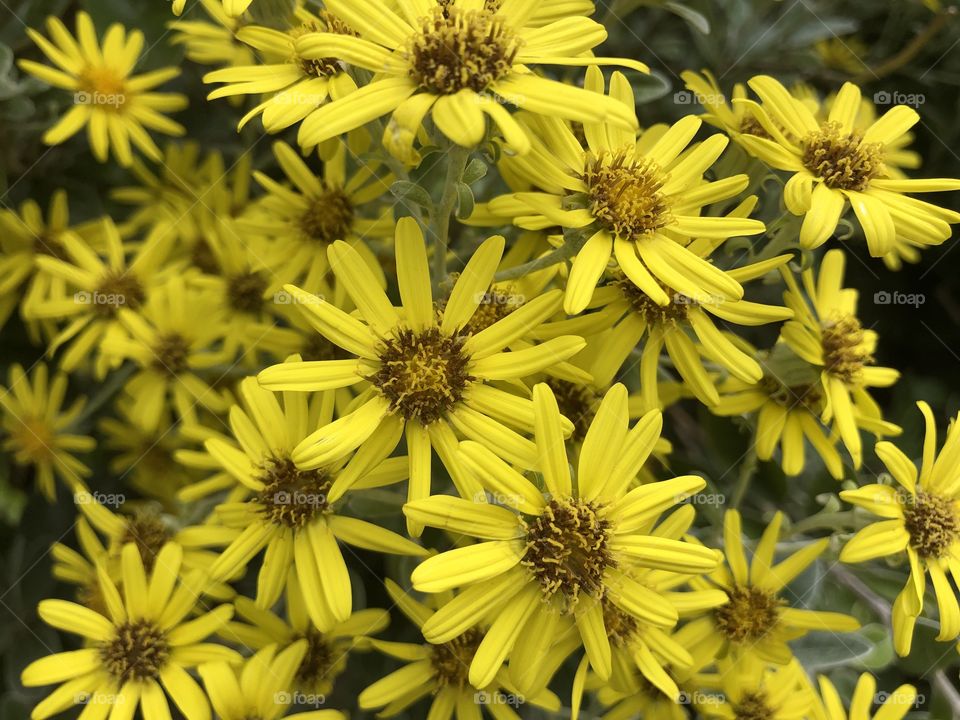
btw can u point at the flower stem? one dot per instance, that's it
(456, 163)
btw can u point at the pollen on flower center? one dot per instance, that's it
(329, 216)
(292, 497)
(451, 660)
(749, 125)
(317, 661)
(625, 193)
(577, 402)
(842, 160)
(646, 307)
(246, 292)
(117, 290)
(422, 374)
(171, 352)
(318, 67)
(138, 652)
(753, 706)
(933, 524)
(494, 306)
(457, 49)
(621, 627)
(844, 351)
(568, 551)
(793, 397)
(149, 533)
(749, 614)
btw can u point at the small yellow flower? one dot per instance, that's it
(554, 555)
(760, 694)
(827, 333)
(37, 428)
(835, 165)
(921, 518)
(756, 623)
(827, 705)
(139, 650)
(116, 106)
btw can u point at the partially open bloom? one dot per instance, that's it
(458, 62)
(427, 377)
(827, 705)
(37, 428)
(920, 517)
(835, 165)
(441, 670)
(116, 106)
(827, 333)
(637, 199)
(756, 623)
(287, 512)
(555, 555)
(762, 693)
(260, 687)
(139, 650)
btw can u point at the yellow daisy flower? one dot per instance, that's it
(921, 517)
(765, 694)
(37, 428)
(685, 328)
(440, 671)
(456, 60)
(427, 379)
(726, 112)
(637, 199)
(327, 650)
(169, 342)
(260, 688)
(286, 511)
(827, 705)
(296, 86)
(116, 106)
(25, 236)
(138, 653)
(305, 220)
(826, 333)
(757, 621)
(99, 284)
(786, 411)
(552, 556)
(834, 164)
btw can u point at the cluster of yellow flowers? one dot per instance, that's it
(282, 343)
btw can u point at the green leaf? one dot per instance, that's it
(406, 191)
(695, 19)
(821, 651)
(475, 170)
(465, 201)
(649, 87)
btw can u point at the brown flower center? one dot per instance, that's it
(749, 614)
(149, 533)
(568, 551)
(753, 706)
(655, 315)
(844, 351)
(932, 522)
(329, 216)
(794, 397)
(625, 193)
(171, 353)
(843, 161)
(494, 306)
(292, 497)
(245, 292)
(579, 403)
(318, 660)
(117, 290)
(451, 660)
(422, 373)
(137, 652)
(457, 49)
